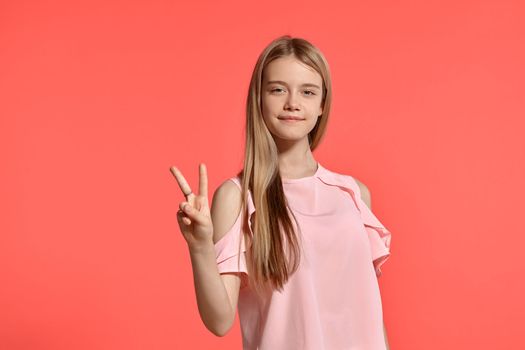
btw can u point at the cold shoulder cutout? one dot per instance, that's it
(230, 249)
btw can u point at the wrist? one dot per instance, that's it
(202, 247)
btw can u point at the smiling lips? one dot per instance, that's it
(291, 118)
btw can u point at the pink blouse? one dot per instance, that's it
(333, 300)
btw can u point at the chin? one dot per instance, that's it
(290, 138)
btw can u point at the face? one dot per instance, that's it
(291, 88)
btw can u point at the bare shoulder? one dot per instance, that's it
(225, 208)
(365, 193)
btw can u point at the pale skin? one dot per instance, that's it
(289, 88)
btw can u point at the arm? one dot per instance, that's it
(216, 293)
(386, 339)
(365, 195)
(212, 298)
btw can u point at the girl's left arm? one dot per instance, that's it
(386, 339)
(365, 196)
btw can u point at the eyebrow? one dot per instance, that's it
(283, 83)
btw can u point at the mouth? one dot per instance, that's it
(291, 118)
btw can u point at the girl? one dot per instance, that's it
(288, 242)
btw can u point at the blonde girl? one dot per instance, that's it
(288, 243)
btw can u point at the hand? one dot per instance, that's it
(194, 215)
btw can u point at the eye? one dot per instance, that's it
(310, 91)
(275, 89)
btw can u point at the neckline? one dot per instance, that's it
(305, 178)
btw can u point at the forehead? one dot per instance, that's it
(292, 71)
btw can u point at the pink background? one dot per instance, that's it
(99, 98)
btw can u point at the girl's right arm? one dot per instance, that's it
(216, 294)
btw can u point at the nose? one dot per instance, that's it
(291, 102)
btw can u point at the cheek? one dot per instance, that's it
(314, 104)
(268, 108)
(265, 111)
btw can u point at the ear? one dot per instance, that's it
(320, 111)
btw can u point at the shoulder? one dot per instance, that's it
(225, 208)
(365, 193)
(228, 189)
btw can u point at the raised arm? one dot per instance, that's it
(226, 207)
(216, 294)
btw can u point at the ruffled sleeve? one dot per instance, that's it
(378, 235)
(230, 249)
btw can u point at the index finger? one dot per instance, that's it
(183, 184)
(203, 180)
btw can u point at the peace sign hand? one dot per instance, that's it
(194, 215)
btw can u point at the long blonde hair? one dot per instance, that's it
(267, 264)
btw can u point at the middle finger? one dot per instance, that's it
(203, 180)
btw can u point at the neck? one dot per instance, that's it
(295, 158)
